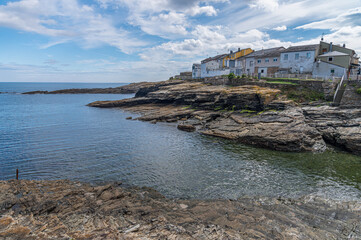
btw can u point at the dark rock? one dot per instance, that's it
(338, 126)
(126, 89)
(186, 128)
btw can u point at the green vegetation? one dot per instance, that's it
(238, 77)
(304, 95)
(358, 90)
(281, 82)
(186, 107)
(231, 76)
(247, 111)
(244, 75)
(297, 79)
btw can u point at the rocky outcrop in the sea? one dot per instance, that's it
(199, 95)
(283, 131)
(70, 210)
(338, 126)
(253, 115)
(126, 89)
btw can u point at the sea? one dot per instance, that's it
(59, 137)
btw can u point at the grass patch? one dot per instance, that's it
(296, 79)
(247, 111)
(186, 107)
(358, 90)
(304, 95)
(281, 82)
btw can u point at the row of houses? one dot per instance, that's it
(321, 60)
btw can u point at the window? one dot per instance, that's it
(332, 71)
(285, 57)
(308, 55)
(275, 59)
(251, 63)
(266, 60)
(262, 71)
(297, 56)
(259, 61)
(330, 59)
(324, 50)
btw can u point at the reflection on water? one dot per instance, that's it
(57, 137)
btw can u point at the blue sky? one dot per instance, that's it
(151, 40)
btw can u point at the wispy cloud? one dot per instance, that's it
(162, 37)
(280, 28)
(66, 20)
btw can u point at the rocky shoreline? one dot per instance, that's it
(258, 116)
(126, 89)
(73, 210)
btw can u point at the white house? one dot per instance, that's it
(298, 59)
(196, 71)
(213, 66)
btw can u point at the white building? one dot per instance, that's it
(196, 71)
(298, 59)
(213, 66)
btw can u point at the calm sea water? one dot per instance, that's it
(58, 137)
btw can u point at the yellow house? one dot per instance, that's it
(236, 55)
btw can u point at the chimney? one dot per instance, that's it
(344, 45)
(330, 46)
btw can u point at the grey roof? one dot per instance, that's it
(333, 54)
(302, 48)
(214, 58)
(271, 52)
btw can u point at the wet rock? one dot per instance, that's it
(338, 126)
(253, 115)
(284, 130)
(186, 128)
(112, 212)
(129, 118)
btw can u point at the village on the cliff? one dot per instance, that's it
(317, 61)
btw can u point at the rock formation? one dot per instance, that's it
(71, 210)
(126, 89)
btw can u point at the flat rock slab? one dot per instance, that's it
(71, 210)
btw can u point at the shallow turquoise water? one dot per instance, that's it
(57, 137)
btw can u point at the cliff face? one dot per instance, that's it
(70, 210)
(201, 96)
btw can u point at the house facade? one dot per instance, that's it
(298, 59)
(196, 71)
(334, 60)
(230, 59)
(321, 60)
(213, 66)
(264, 61)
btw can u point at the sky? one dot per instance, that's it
(152, 40)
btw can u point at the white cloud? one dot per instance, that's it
(350, 18)
(280, 28)
(66, 20)
(166, 18)
(267, 5)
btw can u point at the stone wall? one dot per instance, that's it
(326, 87)
(351, 97)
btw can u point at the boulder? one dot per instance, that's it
(186, 128)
